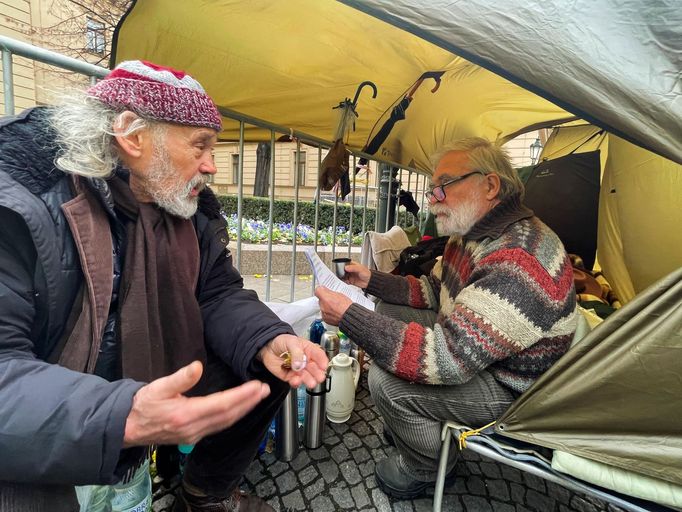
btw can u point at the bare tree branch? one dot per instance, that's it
(70, 33)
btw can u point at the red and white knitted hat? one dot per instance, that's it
(157, 92)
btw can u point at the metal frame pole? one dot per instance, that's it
(271, 213)
(422, 218)
(317, 205)
(297, 184)
(377, 182)
(336, 209)
(364, 209)
(240, 195)
(8, 82)
(409, 184)
(388, 198)
(52, 58)
(352, 208)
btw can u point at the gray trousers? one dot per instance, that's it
(414, 413)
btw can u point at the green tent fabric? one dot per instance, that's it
(614, 63)
(615, 396)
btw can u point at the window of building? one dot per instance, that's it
(235, 168)
(301, 166)
(95, 36)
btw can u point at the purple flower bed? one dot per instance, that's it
(257, 231)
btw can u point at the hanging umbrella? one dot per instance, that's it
(335, 164)
(398, 112)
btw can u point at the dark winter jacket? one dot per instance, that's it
(57, 425)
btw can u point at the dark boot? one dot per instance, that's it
(238, 501)
(395, 482)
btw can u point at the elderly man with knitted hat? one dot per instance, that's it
(124, 323)
(463, 342)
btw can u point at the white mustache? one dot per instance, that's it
(198, 181)
(439, 208)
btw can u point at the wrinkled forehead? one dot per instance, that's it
(451, 165)
(193, 133)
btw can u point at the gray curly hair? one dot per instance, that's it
(487, 158)
(84, 129)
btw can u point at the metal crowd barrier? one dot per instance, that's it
(10, 47)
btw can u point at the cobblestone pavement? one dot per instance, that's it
(340, 476)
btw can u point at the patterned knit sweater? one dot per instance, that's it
(505, 301)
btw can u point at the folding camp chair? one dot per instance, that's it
(527, 458)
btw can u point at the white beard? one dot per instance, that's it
(166, 187)
(458, 221)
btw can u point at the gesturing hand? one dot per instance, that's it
(308, 360)
(161, 414)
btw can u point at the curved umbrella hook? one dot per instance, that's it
(360, 87)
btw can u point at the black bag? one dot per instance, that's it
(564, 194)
(418, 260)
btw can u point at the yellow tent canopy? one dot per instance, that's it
(501, 69)
(289, 63)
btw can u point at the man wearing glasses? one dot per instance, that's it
(464, 342)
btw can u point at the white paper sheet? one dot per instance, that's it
(325, 277)
(299, 314)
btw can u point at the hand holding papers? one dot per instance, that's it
(301, 313)
(325, 277)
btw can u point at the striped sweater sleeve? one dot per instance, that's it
(421, 293)
(513, 317)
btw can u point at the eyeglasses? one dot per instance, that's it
(438, 193)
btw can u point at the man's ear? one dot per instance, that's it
(132, 144)
(492, 182)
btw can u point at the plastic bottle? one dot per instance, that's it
(132, 496)
(95, 498)
(135, 495)
(344, 344)
(316, 330)
(300, 403)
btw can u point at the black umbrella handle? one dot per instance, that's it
(360, 87)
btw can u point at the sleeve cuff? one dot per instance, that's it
(354, 321)
(385, 285)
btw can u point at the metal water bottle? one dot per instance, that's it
(313, 426)
(314, 417)
(330, 344)
(286, 428)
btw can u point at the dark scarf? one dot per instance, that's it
(160, 324)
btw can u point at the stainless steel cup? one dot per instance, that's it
(339, 265)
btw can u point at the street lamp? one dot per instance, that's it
(535, 150)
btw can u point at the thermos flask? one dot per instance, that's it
(330, 343)
(286, 428)
(313, 427)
